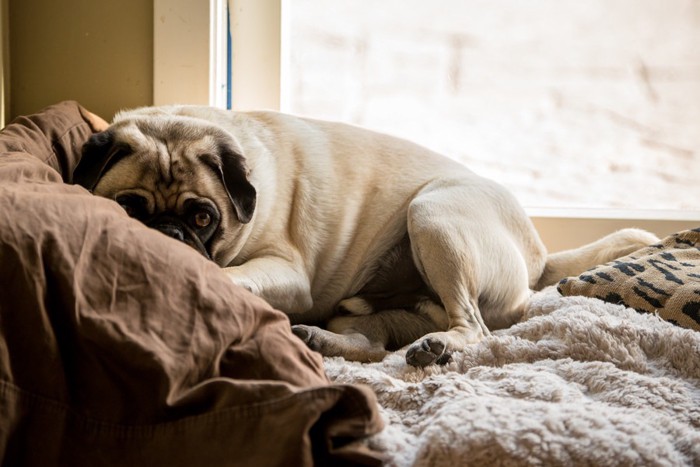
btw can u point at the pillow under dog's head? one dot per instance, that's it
(663, 278)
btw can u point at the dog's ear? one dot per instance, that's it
(99, 153)
(230, 167)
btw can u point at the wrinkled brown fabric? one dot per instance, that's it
(120, 346)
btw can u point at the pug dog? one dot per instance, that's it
(368, 242)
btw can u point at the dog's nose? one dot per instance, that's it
(171, 231)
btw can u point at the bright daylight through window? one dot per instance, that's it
(570, 104)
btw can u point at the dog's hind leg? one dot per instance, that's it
(470, 257)
(369, 338)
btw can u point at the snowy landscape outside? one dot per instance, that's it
(569, 103)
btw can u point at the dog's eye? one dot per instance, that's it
(130, 211)
(134, 205)
(201, 215)
(202, 219)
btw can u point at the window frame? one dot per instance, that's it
(258, 51)
(189, 52)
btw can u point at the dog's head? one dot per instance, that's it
(183, 176)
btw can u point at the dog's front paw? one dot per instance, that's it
(309, 335)
(354, 346)
(427, 351)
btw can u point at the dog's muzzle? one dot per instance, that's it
(179, 230)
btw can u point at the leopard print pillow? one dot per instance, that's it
(663, 278)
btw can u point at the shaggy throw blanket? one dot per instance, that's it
(577, 382)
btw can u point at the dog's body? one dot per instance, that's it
(323, 219)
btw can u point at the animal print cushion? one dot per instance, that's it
(663, 278)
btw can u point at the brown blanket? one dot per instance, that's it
(120, 346)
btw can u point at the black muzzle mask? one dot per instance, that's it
(179, 230)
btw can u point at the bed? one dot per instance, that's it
(578, 382)
(121, 347)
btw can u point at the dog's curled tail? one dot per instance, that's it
(573, 262)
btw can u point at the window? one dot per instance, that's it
(572, 105)
(588, 111)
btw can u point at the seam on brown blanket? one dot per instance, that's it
(87, 423)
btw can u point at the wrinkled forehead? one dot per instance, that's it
(164, 158)
(167, 142)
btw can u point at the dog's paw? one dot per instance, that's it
(353, 346)
(427, 351)
(308, 335)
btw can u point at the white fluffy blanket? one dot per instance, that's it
(577, 382)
